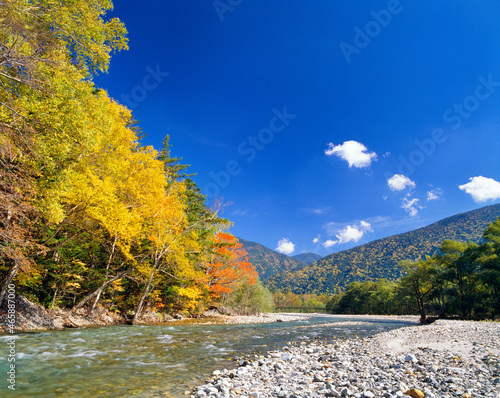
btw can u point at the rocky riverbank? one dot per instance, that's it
(446, 359)
(33, 317)
(30, 316)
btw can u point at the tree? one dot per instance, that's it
(164, 226)
(32, 31)
(47, 49)
(249, 299)
(73, 175)
(354, 300)
(228, 266)
(459, 263)
(105, 191)
(489, 260)
(173, 168)
(419, 283)
(382, 297)
(332, 305)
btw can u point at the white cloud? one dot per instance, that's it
(411, 205)
(482, 189)
(366, 225)
(329, 243)
(398, 182)
(318, 211)
(353, 233)
(350, 233)
(435, 194)
(239, 213)
(316, 240)
(384, 222)
(354, 152)
(285, 246)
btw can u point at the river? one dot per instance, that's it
(153, 360)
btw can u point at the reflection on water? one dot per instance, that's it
(152, 361)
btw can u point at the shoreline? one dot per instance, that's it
(446, 359)
(31, 317)
(290, 317)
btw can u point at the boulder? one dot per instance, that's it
(415, 393)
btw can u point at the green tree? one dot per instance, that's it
(332, 305)
(382, 297)
(248, 299)
(489, 260)
(419, 284)
(459, 267)
(355, 299)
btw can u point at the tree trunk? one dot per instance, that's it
(10, 276)
(105, 284)
(423, 315)
(144, 295)
(420, 305)
(99, 290)
(94, 304)
(54, 299)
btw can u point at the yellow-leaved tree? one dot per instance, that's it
(113, 191)
(48, 50)
(165, 225)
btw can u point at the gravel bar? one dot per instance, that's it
(446, 359)
(263, 318)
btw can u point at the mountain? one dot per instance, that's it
(307, 258)
(268, 262)
(379, 259)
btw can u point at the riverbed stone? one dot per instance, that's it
(415, 393)
(412, 360)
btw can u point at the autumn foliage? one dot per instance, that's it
(88, 215)
(229, 265)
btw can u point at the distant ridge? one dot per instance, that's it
(307, 258)
(379, 259)
(268, 262)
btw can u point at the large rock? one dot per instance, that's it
(29, 316)
(415, 393)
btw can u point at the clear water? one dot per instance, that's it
(153, 360)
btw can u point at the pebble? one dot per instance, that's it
(405, 362)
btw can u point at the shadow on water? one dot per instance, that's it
(154, 360)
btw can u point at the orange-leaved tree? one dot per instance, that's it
(228, 266)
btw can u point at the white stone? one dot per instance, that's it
(411, 358)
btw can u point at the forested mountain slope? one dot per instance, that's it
(379, 259)
(268, 262)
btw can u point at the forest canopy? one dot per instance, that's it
(461, 280)
(78, 227)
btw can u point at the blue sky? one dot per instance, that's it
(322, 124)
